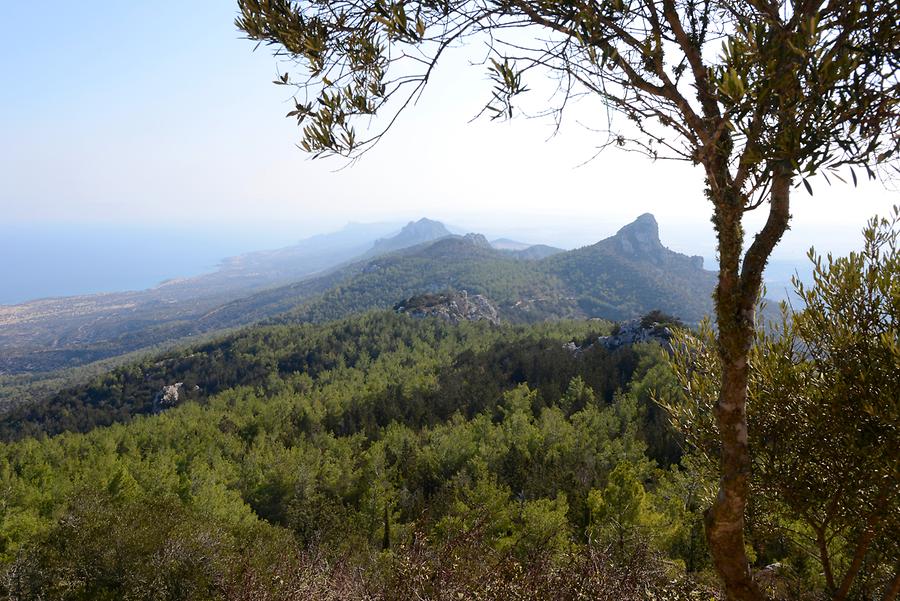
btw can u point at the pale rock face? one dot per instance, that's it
(573, 348)
(167, 397)
(640, 237)
(634, 332)
(629, 332)
(453, 307)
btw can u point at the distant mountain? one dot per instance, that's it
(507, 244)
(536, 252)
(631, 273)
(527, 252)
(414, 233)
(310, 255)
(452, 262)
(621, 277)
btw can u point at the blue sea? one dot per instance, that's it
(39, 261)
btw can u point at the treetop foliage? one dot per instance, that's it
(824, 414)
(415, 458)
(810, 86)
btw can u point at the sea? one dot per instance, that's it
(52, 260)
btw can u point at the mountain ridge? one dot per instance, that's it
(617, 278)
(595, 281)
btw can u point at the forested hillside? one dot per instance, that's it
(621, 277)
(385, 456)
(380, 456)
(380, 441)
(265, 355)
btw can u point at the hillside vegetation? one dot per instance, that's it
(387, 456)
(380, 441)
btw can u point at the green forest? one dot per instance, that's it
(376, 414)
(383, 456)
(379, 441)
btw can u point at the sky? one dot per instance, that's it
(157, 115)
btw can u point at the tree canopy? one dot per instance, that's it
(803, 82)
(824, 416)
(757, 92)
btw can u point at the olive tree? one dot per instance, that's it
(763, 94)
(824, 417)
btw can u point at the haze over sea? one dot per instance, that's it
(55, 259)
(44, 260)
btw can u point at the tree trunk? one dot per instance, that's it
(386, 541)
(825, 557)
(725, 519)
(736, 296)
(862, 546)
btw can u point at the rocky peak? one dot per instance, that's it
(425, 228)
(412, 234)
(640, 237)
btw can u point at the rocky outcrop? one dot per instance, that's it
(636, 331)
(653, 327)
(453, 307)
(573, 348)
(167, 397)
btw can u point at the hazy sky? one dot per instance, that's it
(154, 113)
